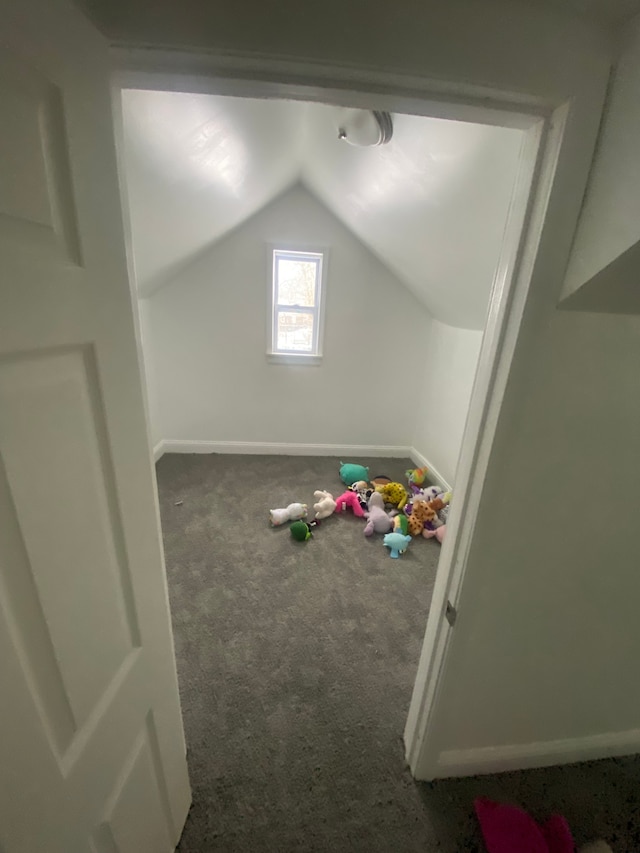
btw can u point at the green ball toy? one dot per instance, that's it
(301, 531)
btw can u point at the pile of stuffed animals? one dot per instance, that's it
(399, 512)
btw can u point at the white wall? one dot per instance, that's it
(610, 218)
(515, 45)
(543, 662)
(209, 342)
(547, 638)
(451, 358)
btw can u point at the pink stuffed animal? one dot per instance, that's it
(507, 829)
(349, 499)
(439, 533)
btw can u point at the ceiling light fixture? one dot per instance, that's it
(366, 127)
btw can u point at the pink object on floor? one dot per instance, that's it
(349, 499)
(508, 829)
(439, 533)
(559, 839)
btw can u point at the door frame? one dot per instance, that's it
(545, 123)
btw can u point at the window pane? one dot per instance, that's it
(295, 331)
(297, 282)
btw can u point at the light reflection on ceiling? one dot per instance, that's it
(430, 204)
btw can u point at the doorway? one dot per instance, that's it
(145, 763)
(530, 130)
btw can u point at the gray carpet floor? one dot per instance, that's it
(296, 663)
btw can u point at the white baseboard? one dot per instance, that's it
(498, 759)
(349, 452)
(421, 461)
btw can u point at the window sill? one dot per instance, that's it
(294, 358)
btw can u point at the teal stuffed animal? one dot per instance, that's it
(350, 473)
(397, 543)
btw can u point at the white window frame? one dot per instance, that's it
(320, 256)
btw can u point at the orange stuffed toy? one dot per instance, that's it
(424, 518)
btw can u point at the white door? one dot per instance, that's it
(92, 754)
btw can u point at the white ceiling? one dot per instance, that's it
(431, 204)
(197, 166)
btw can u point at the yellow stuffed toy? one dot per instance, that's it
(394, 494)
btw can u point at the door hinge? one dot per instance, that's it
(451, 614)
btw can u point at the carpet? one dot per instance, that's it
(296, 663)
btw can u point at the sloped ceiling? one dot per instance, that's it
(431, 204)
(196, 167)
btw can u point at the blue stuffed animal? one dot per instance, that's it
(397, 542)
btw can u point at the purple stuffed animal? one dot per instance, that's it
(378, 521)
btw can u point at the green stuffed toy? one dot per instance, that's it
(401, 524)
(350, 473)
(301, 531)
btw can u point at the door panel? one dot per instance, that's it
(92, 754)
(36, 197)
(138, 791)
(25, 620)
(58, 471)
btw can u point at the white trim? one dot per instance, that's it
(294, 358)
(243, 74)
(284, 449)
(258, 448)
(536, 166)
(421, 461)
(318, 256)
(308, 359)
(497, 759)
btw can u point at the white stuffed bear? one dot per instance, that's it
(293, 512)
(325, 505)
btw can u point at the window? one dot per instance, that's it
(296, 313)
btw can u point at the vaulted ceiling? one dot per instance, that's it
(431, 204)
